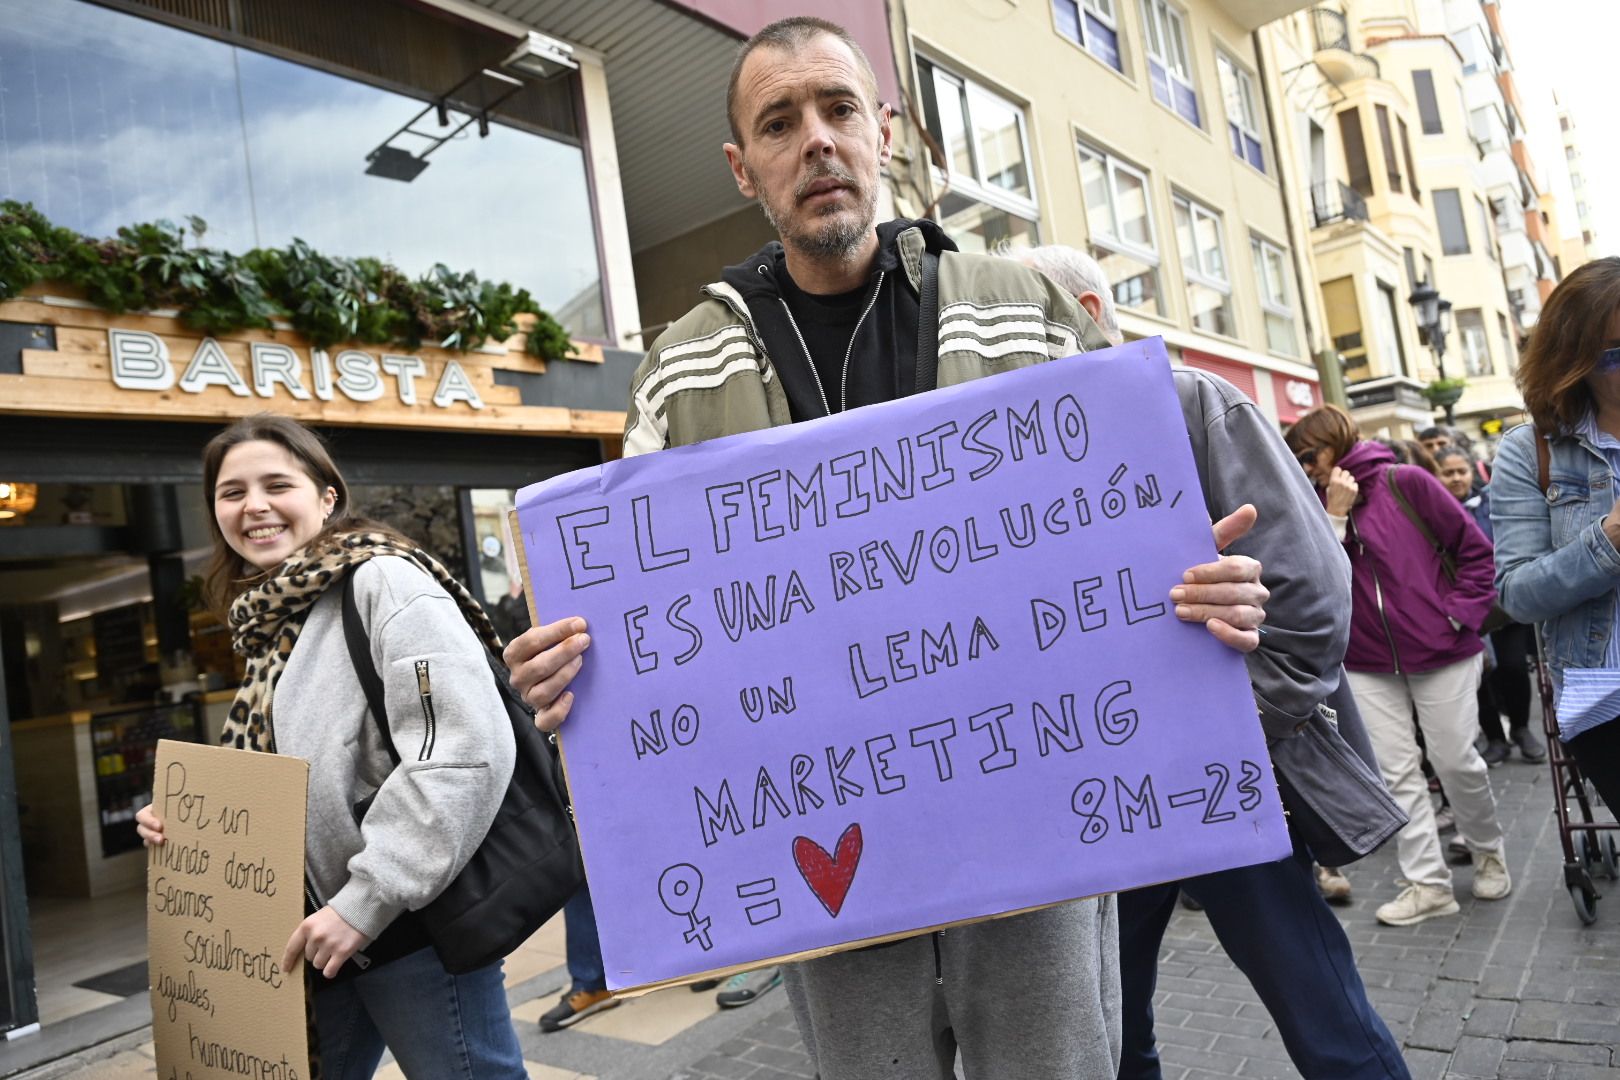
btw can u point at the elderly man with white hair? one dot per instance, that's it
(1270, 918)
(1080, 276)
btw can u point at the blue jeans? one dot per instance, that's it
(584, 948)
(1277, 929)
(438, 1025)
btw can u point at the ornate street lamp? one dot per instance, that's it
(1434, 319)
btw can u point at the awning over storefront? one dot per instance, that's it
(667, 65)
(1239, 374)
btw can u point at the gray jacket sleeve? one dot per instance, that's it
(454, 741)
(1242, 459)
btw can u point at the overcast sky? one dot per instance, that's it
(1568, 47)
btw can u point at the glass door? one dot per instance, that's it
(19, 1008)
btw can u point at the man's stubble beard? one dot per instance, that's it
(836, 238)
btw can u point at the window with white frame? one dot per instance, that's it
(1271, 277)
(1476, 347)
(1510, 355)
(1242, 117)
(990, 199)
(1449, 215)
(1203, 264)
(1486, 230)
(1386, 335)
(1119, 219)
(1090, 24)
(1169, 63)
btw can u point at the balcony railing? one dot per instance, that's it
(1334, 200)
(1331, 31)
(1331, 28)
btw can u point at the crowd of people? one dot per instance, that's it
(1392, 628)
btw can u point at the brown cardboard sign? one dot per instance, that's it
(224, 893)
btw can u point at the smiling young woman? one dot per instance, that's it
(274, 490)
(287, 546)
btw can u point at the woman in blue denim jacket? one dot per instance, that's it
(1558, 552)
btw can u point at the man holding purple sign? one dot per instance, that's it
(845, 313)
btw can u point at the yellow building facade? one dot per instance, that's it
(1357, 223)
(1137, 130)
(1454, 202)
(1393, 128)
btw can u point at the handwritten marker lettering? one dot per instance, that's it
(762, 911)
(222, 897)
(944, 617)
(679, 888)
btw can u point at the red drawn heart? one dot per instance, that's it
(829, 876)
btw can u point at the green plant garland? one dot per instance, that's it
(329, 300)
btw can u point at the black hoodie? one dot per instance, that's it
(882, 346)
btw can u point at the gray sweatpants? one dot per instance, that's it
(1026, 997)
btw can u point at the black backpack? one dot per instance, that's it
(527, 866)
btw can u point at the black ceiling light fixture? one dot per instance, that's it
(535, 58)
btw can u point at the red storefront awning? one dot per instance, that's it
(1236, 372)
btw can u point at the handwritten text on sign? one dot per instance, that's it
(896, 668)
(224, 893)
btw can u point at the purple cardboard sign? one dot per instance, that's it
(902, 667)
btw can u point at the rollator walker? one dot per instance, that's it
(1597, 852)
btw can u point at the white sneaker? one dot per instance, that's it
(1333, 885)
(1418, 902)
(1491, 880)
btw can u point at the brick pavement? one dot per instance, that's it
(1513, 989)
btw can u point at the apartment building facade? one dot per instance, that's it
(1579, 244)
(1458, 81)
(1403, 134)
(1135, 129)
(1529, 247)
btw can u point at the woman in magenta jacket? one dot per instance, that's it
(1414, 648)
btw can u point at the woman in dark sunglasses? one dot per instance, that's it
(1556, 518)
(1421, 587)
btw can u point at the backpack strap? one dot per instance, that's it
(1543, 462)
(1447, 562)
(354, 635)
(928, 325)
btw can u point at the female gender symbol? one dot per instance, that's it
(679, 888)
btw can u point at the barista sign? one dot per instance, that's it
(135, 366)
(140, 361)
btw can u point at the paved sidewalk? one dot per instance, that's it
(1514, 989)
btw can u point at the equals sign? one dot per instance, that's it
(763, 910)
(1188, 798)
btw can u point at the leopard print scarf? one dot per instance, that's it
(266, 620)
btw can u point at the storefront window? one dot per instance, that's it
(108, 119)
(500, 579)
